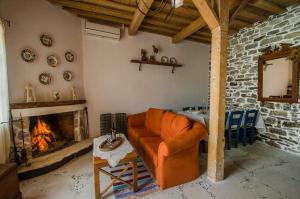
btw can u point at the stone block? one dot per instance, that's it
(279, 113)
(289, 124)
(280, 25)
(277, 131)
(270, 121)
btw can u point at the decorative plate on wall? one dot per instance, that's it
(164, 59)
(45, 78)
(28, 55)
(46, 40)
(173, 60)
(52, 60)
(68, 75)
(70, 57)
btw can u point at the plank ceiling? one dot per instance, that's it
(117, 12)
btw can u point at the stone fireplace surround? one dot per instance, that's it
(46, 163)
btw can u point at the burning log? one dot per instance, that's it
(42, 136)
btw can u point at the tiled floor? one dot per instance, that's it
(256, 171)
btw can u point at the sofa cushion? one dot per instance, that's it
(153, 120)
(135, 133)
(173, 125)
(150, 148)
(166, 123)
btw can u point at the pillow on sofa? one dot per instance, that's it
(174, 124)
(153, 120)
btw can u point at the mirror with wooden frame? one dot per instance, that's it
(278, 74)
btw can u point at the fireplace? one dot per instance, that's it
(42, 129)
(50, 133)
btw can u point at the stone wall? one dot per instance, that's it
(282, 120)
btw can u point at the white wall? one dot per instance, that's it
(29, 19)
(113, 84)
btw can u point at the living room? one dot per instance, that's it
(158, 87)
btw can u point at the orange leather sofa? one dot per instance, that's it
(168, 143)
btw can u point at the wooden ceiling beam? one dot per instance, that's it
(238, 9)
(139, 15)
(110, 4)
(207, 13)
(97, 16)
(268, 6)
(181, 11)
(189, 30)
(250, 15)
(92, 8)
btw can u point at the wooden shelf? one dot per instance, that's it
(140, 62)
(45, 104)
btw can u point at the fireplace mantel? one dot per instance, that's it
(46, 108)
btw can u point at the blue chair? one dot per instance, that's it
(226, 117)
(249, 125)
(188, 108)
(235, 120)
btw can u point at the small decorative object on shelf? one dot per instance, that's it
(173, 60)
(56, 96)
(53, 60)
(155, 52)
(46, 40)
(155, 49)
(68, 76)
(45, 78)
(164, 59)
(74, 93)
(28, 55)
(144, 55)
(29, 93)
(70, 56)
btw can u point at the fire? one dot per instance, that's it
(42, 136)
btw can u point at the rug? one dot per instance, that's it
(146, 183)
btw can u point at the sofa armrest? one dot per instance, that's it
(183, 141)
(137, 119)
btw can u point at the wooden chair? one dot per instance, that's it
(235, 120)
(249, 125)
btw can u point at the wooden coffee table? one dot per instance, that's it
(99, 163)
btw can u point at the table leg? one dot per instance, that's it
(97, 182)
(134, 175)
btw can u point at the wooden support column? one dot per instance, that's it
(215, 163)
(218, 24)
(219, 44)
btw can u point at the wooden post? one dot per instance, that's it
(215, 163)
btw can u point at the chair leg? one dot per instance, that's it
(237, 137)
(251, 141)
(229, 140)
(244, 136)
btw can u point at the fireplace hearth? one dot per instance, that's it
(46, 128)
(49, 134)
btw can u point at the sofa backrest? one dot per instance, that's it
(153, 120)
(173, 125)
